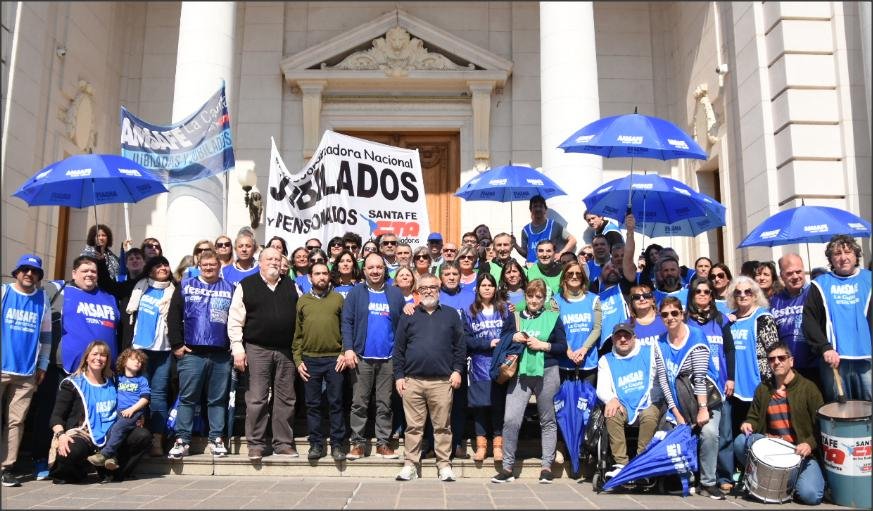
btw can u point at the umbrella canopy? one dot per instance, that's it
(676, 453)
(574, 402)
(509, 183)
(805, 224)
(634, 135)
(662, 206)
(88, 180)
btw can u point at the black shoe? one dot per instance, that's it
(8, 480)
(316, 451)
(713, 492)
(338, 453)
(504, 476)
(546, 476)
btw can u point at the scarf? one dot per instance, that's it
(140, 288)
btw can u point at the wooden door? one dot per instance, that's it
(441, 171)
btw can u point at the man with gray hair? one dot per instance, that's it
(429, 357)
(787, 309)
(260, 325)
(245, 264)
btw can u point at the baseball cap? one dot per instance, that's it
(30, 260)
(435, 236)
(625, 327)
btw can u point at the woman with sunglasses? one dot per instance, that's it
(345, 273)
(513, 280)
(193, 270)
(703, 314)
(466, 263)
(687, 355)
(486, 321)
(754, 332)
(542, 333)
(421, 261)
(648, 327)
(315, 255)
(580, 314)
(224, 250)
(151, 247)
(720, 276)
(334, 249)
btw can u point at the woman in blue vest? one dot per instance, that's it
(720, 276)
(345, 273)
(485, 322)
(703, 314)
(648, 327)
(84, 411)
(687, 355)
(580, 314)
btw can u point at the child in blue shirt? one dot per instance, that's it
(134, 395)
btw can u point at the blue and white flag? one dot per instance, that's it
(197, 147)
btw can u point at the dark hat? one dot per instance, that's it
(435, 236)
(623, 327)
(29, 261)
(152, 263)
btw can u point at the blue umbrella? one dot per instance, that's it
(574, 403)
(634, 135)
(676, 453)
(509, 183)
(661, 205)
(805, 224)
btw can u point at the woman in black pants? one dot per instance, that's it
(79, 434)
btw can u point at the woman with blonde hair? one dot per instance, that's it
(581, 316)
(188, 269)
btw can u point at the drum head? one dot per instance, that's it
(775, 453)
(848, 411)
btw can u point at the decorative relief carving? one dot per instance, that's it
(396, 54)
(78, 118)
(704, 116)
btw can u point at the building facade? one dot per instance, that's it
(777, 93)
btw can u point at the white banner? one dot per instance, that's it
(349, 185)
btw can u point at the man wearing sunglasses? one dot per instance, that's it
(785, 408)
(352, 242)
(388, 249)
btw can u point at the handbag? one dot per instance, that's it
(687, 401)
(509, 366)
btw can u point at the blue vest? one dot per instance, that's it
(715, 338)
(722, 307)
(681, 294)
(485, 327)
(303, 283)
(233, 275)
(675, 357)
(846, 300)
(534, 238)
(787, 311)
(19, 337)
(594, 270)
(100, 406)
(87, 316)
(648, 335)
(632, 379)
(147, 319)
(748, 376)
(205, 312)
(613, 311)
(578, 320)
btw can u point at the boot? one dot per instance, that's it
(481, 447)
(157, 449)
(498, 448)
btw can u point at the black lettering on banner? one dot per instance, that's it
(389, 184)
(279, 193)
(344, 181)
(365, 171)
(411, 187)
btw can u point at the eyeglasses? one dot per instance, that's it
(390, 243)
(452, 250)
(316, 260)
(351, 248)
(152, 245)
(312, 247)
(422, 258)
(642, 296)
(573, 274)
(427, 289)
(781, 358)
(28, 269)
(369, 249)
(743, 292)
(703, 291)
(718, 275)
(673, 313)
(334, 245)
(224, 244)
(467, 257)
(587, 255)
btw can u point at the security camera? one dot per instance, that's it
(61, 51)
(721, 69)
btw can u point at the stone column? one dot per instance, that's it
(197, 210)
(864, 16)
(311, 91)
(569, 100)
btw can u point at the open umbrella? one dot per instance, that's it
(509, 183)
(675, 453)
(662, 206)
(574, 402)
(88, 180)
(805, 224)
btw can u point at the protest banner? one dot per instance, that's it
(349, 185)
(197, 147)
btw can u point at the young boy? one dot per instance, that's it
(134, 394)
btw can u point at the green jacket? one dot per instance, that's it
(317, 331)
(804, 400)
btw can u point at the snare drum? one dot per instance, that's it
(771, 470)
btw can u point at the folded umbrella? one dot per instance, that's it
(676, 453)
(574, 402)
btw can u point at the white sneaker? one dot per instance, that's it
(407, 473)
(614, 472)
(446, 475)
(217, 448)
(179, 450)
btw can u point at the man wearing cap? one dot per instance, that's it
(26, 344)
(625, 382)
(435, 247)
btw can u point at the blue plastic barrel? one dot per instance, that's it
(846, 444)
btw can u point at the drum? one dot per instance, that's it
(771, 470)
(845, 441)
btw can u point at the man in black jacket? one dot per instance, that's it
(261, 327)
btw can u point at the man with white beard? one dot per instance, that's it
(260, 326)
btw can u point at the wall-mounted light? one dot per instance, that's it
(248, 179)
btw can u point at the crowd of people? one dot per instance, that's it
(426, 332)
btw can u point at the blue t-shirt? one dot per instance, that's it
(132, 389)
(343, 289)
(147, 318)
(647, 335)
(233, 274)
(380, 335)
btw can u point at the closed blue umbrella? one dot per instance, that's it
(574, 402)
(661, 205)
(805, 224)
(676, 453)
(509, 183)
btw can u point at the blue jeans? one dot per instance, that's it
(118, 432)
(724, 470)
(708, 447)
(810, 483)
(857, 378)
(197, 370)
(158, 369)
(324, 378)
